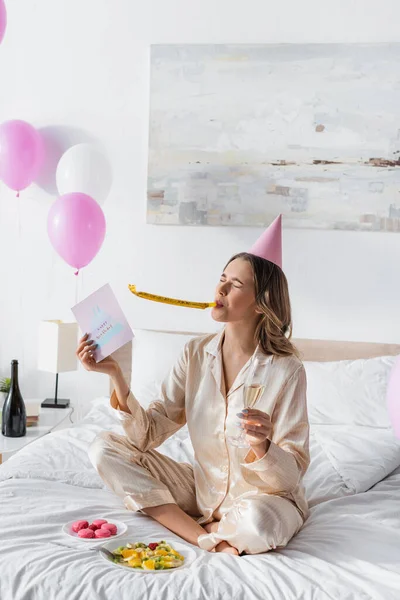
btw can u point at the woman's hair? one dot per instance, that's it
(274, 328)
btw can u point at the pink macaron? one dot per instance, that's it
(110, 527)
(102, 533)
(86, 533)
(78, 525)
(99, 522)
(93, 527)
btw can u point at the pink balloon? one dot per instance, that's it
(76, 226)
(393, 397)
(3, 20)
(21, 154)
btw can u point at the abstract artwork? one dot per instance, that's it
(241, 133)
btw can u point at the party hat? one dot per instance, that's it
(269, 244)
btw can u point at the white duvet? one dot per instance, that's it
(349, 547)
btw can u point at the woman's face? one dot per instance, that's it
(234, 294)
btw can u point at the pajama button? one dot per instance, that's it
(225, 468)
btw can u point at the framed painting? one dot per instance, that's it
(240, 133)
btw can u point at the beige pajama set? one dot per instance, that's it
(260, 503)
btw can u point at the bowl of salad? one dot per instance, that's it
(148, 557)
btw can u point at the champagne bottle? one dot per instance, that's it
(14, 413)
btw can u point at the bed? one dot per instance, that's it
(349, 548)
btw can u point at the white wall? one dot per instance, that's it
(79, 70)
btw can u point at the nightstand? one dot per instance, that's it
(49, 419)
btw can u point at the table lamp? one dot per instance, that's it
(56, 354)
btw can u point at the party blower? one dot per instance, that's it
(173, 301)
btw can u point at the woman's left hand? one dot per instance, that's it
(257, 427)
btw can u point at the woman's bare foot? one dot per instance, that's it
(222, 546)
(211, 527)
(225, 547)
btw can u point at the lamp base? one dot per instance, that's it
(52, 403)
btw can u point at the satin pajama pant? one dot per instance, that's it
(253, 524)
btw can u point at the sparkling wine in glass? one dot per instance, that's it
(252, 393)
(253, 389)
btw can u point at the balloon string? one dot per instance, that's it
(21, 262)
(77, 282)
(17, 194)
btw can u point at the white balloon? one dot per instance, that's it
(83, 168)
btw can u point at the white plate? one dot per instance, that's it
(187, 552)
(121, 528)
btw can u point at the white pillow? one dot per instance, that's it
(349, 392)
(362, 456)
(154, 353)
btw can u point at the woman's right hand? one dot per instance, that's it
(84, 352)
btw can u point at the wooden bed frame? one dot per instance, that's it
(311, 350)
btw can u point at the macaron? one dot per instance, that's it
(93, 527)
(99, 522)
(102, 533)
(78, 525)
(110, 527)
(86, 533)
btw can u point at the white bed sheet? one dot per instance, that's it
(348, 549)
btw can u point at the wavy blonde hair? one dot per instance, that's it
(274, 328)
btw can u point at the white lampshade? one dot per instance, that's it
(57, 346)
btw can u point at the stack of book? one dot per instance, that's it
(32, 413)
(31, 421)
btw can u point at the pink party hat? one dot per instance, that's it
(269, 244)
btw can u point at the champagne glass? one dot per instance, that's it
(253, 389)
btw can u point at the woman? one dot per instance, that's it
(233, 500)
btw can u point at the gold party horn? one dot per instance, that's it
(173, 301)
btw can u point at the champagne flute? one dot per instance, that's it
(253, 389)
